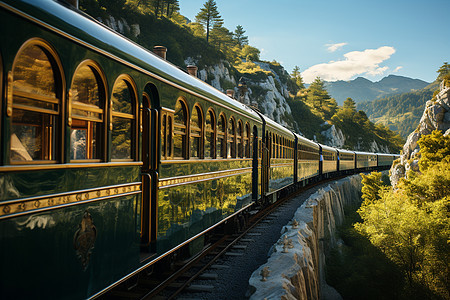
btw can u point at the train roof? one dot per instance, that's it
(325, 147)
(345, 151)
(279, 129)
(86, 31)
(306, 141)
(385, 154)
(364, 153)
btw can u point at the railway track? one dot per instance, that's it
(158, 282)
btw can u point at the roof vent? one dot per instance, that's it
(230, 93)
(192, 70)
(161, 51)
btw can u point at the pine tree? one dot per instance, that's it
(209, 17)
(297, 77)
(443, 71)
(220, 36)
(349, 104)
(239, 36)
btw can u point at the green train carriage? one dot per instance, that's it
(308, 154)
(85, 154)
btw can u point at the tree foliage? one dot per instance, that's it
(239, 36)
(411, 224)
(443, 71)
(297, 80)
(209, 17)
(319, 99)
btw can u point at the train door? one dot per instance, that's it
(265, 167)
(150, 140)
(255, 163)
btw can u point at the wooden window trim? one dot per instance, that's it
(59, 100)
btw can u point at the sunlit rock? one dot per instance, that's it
(436, 116)
(334, 137)
(299, 272)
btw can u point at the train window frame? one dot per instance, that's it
(182, 130)
(51, 133)
(221, 150)
(167, 133)
(133, 116)
(247, 139)
(210, 133)
(231, 138)
(239, 140)
(196, 133)
(100, 135)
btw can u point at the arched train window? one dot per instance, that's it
(197, 132)
(180, 130)
(34, 104)
(231, 137)
(86, 119)
(123, 104)
(210, 141)
(247, 137)
(239, 140)
(221, 137)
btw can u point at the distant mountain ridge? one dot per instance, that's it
(362, 89)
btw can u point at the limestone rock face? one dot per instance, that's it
(121, 26)
(435, 116)
(298, 271)
(334, 137)
(268, 93)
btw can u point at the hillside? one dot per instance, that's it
(361, 89)
(269, 85)
(401, 112)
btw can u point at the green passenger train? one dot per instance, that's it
(112, 158)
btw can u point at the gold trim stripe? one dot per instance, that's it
(72, 165)
(203, 160)
(182, 180)
(16, 207)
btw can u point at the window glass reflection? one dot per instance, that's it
(87, 114)
(35, 107)
(122, 121)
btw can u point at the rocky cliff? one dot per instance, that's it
(436, 116)
(296, 267)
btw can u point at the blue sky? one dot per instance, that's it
(341, 40)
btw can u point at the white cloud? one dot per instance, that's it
(335, 47)
(354, 63)
(397, 69)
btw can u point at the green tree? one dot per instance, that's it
(349, 104)
(196, 29)
(239, 36)
(372, 187)
(443, 71)
(250, 53)
(171, 7)
(411, 224)
(320, 100)
(434, 148)
(220, 36)
(209, 17)
(297, 78)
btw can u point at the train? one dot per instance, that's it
(113, 159)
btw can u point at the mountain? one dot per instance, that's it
(400, 112)
(362, 89)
